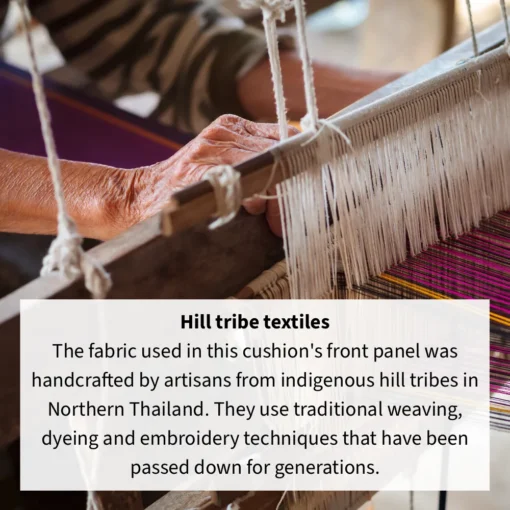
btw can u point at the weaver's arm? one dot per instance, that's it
(27, 204)
(336, 87)
(202, 61)
(104, 201)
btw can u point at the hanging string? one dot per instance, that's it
(276, 72)
(263, 193)
(94, 501)
(505, 19)
(311, 120)
(226, 183)
(65, 254)
(271, 11)
(327, 124)
(442, 500)
(472, 27)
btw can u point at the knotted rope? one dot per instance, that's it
(66, 254)
(505, 19)
(472, 27)
(323, 124)
(312, 117)
(226, 183)
(273, 10)
(94, 501)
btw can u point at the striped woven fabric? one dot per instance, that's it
(474, 266)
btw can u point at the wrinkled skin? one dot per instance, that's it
(229, 140)
(105, 201)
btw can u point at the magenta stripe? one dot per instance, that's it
(432, 271)
(456, 294)
(483, 262)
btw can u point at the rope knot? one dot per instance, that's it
(97, 280)
(67, 257)
(64, 254)
(324, 125)
(226, 183)
(270, 8)
(307, 123)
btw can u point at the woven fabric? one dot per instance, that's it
(474, 266)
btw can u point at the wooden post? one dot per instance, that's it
(121, 500)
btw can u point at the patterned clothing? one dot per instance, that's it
(189, 52)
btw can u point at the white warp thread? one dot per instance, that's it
(472, 27)
(325, 124)
(93, 501)
(263, 193)
(65, 254)
(505, 19)
(363, 210)
(312, 116)
(276, 72)
(226, 183)
(271, 11)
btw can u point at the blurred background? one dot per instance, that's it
(399, 35)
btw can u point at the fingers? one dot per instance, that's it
(255, 206)
(271, 131)
(231, 128)
(230, 140)
(235, 140)
(274, 215)
(207, 152)
(228, 126)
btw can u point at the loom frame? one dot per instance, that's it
(226, 259)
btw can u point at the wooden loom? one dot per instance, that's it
(189, 261)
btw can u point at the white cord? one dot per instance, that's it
(472, 27)
(312, 116)
(271, 11)
(505, 19)
(66, 254)
(226, 183)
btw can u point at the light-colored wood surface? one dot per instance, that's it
(181, 500)
(400, 35)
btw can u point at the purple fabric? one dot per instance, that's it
(85, 129)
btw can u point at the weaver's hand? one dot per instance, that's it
(229, 140)
(105, 201)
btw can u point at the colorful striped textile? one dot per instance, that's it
(474, 266)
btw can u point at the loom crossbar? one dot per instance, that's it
(197, 203)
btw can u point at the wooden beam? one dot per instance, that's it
(198, 202)
(184, 500)
(121, 500)
(199, 263)
(224, 498)
(260, 500)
